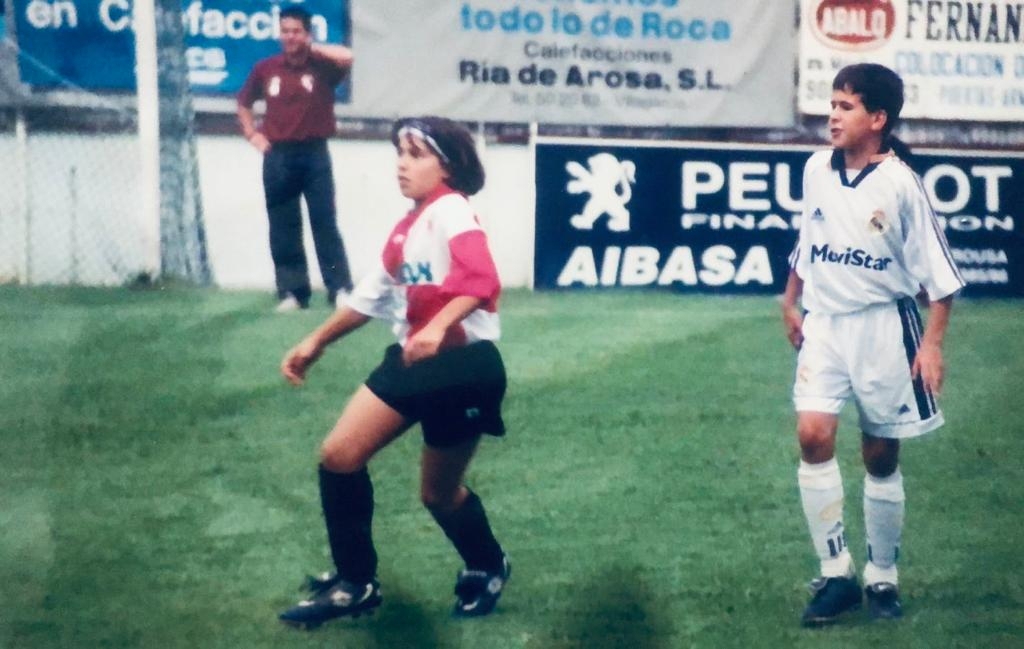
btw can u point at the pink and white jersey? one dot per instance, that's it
(436, 253)
(868, 240)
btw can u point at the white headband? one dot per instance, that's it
(414, 131)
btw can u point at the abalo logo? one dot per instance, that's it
(609, 182)
(853, 24)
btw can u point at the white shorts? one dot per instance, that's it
(867, 355)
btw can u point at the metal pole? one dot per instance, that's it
(531, 147)
(21, 148)
(144, 21)
(73, 216)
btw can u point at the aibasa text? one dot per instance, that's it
(644, 266)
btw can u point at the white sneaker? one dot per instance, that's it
(340, 299)
(287, 305)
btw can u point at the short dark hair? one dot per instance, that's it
(879, 88)
(298, 13)
(453, 144)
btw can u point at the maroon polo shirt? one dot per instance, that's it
(300, 99)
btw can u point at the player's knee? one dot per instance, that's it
(439, 501)
(881, 456)
(816, 433)
(436, 501)
(341, 459)
(816, 443)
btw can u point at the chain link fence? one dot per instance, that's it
(70, 164)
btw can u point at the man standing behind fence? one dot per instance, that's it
(298, 86)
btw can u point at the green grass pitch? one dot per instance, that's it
(158, 486)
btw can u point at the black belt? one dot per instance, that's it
(299, 145)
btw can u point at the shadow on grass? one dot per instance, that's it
(617, 608)
(403, 622)
(399, 622)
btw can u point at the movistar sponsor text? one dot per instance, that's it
(850, 257)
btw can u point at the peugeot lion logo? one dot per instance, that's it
(610, 185)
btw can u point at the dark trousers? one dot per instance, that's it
(303, 169)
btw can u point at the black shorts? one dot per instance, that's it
(456, 395)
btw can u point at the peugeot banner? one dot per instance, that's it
(719, 218)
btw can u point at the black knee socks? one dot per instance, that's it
(347, 501)
(470, 533)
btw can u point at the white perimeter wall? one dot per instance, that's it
(368, 206)
(70, 209)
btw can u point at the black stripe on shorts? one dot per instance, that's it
(911, 321)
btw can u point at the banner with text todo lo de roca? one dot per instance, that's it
(635, 62)
(718, 218)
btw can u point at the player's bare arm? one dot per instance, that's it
(792, 316)
(928, 363)
(302, 356)
(427, 341)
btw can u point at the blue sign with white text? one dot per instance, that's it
(724, 218)
(91, 44)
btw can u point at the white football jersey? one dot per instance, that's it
(868, 239)
(434, 254)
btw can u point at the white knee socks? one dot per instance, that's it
(883, 522)
(821, 492)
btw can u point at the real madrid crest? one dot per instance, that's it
(878, 223)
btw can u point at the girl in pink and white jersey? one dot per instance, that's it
(437, 283)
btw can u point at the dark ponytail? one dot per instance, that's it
(900, 148)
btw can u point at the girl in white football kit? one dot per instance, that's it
(869, 243)
(437, 283)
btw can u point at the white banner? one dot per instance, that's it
(629, 62)
(959, 60)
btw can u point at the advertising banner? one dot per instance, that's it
(718, 218)
(641, 62)
(959, 60)
(90, 43)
